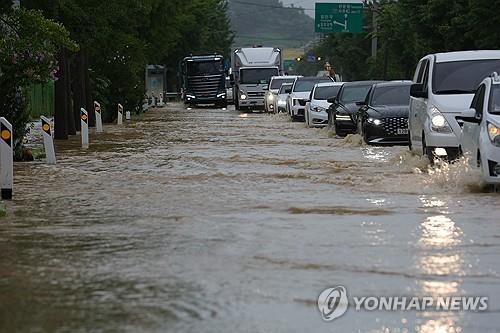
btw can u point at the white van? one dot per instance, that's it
(481, 132)
(443, 86)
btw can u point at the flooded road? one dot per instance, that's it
(215, 221)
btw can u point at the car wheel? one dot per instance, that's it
(409, 141)
(427, 151)
(337, 129)
(478, 162)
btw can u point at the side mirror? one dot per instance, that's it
(469, 116)
(360, 103)
(287, 91)
(417, 90)
(332, 100)
(231, 78)
(266, 87)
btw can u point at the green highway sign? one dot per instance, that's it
(339, 17)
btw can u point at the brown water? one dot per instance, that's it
(215, 221)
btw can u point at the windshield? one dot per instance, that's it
(354, 94)
(391, 96)
(307, 85)
(283, 88)
(324, 93)
(276, 83)
(494, 107)
(462, 77)
(199, 68)
(257, 75)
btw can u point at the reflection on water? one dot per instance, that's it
(439, 232)
(161, 226)
(446, 324)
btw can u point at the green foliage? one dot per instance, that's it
(28, 47)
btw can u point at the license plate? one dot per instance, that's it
(402, 131)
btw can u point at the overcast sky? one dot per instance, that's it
(310, 4)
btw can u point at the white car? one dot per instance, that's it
(443, 86)
(481, 131)
(302, 87)
(280, 102)
(316, 115)
(272, 93)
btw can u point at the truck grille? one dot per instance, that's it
(391, 125)
(256, 93)
(205, 86)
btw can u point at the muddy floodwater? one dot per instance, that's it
(210, 220)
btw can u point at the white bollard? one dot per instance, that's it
(127, 115)
(98, 117)
(6, 159)
(48, 141)
(84, 117)
(120, 114)
(161, 100)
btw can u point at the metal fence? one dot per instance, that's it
(41, 100)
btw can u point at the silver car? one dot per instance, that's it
(272, 93)
(280, 102)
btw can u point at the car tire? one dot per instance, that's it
(478, 162)
(427, 151)
(410, 146)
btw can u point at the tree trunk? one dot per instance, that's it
(69, 107)
(88, 90)
(78, 87)
(61, 102)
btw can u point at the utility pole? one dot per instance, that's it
(374, 8)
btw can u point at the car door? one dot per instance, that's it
(418, 105)
(471, 131)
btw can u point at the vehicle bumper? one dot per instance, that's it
(490, 160)
(318, 119)
(376, 134)
(252, 103)
(346, 126)
(206, 100)
(298, 111)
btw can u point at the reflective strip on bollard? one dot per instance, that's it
(98, 117)
(6, 159)
(120, 114)
(84, 117)
(48, 141)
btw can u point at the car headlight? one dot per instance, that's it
(494, 134)
(318, 109)
(243, 95)
(374, 121)
(439, 122)
(281, 102)
(270, 97)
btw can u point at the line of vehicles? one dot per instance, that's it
(450, 108)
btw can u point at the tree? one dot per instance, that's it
(29, 44)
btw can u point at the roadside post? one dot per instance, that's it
(120, 114)
(127, 115)
(48, 141)
(98, 117)
(6, 159)
(84, 120)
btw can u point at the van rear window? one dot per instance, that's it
(462, 77)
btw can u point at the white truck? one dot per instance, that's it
(252, 70)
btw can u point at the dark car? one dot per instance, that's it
(383, 119)
(343, 112)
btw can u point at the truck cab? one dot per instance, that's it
(204, 80)
(252, 70)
